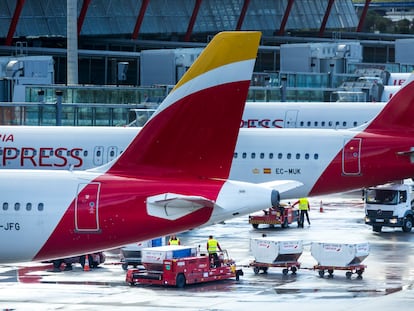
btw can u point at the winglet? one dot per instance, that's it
(195, 129)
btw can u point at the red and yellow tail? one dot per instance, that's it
(195, 129)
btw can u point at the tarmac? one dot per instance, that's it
(386, 284)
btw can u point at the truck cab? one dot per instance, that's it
(390, 205)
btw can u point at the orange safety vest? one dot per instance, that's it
(303, 204)
(212, 246)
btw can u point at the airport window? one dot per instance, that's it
(244, 155)
(289, 155)
(40, 207)
(270, 155)
(5, 206)
(279, 155)
(297, 156)
(253, 155)
(316, 156)
(16, 206)
(306, 156)
(28, 206)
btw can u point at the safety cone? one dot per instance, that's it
(86, 265)
(321, 207)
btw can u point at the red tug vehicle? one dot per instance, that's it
(282, 215)
(177, 265)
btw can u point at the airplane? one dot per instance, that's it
(172, 177)
(64, 147)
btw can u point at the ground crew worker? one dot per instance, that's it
(304, 207)
(212, 246)
(174, 240)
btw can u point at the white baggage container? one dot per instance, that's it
(339, 254)
(156, 255)
(271, 250)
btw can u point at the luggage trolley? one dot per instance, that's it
(270, 252)
(339, 256)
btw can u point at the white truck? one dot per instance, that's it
(390, 205)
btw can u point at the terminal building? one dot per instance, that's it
(129, 53)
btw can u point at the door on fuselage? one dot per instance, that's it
(87, 207)
(351, 157)
(291, 117)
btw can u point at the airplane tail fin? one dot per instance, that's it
(398, 112)
(194, 130)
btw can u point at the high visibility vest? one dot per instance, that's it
(174, 242)
(303, 204)
(212, 246)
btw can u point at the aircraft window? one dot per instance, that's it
(5, 206)
(330, 123)
(98, 153)
(309, 123)
(316, 156)
(60, 152)
(323, 123)
(289, 155)
(337, 123)
(270, 155)
(26, 152)
(253, 155)
(112, 153)
(68, 153)
(279, 155)
(16, 206)
(34, 152)
(85, 153)
(244, 155)
(1, 151)
(235, 155)
(301, 123)
(51, 152)
(355, 123)
(344, 124)
(306, 156)
(28, 206)
(76, 152)
(316, 123)
(40, 207)
(297, 156)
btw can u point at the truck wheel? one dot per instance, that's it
(408, 224)
(376, 228)
(255, 226)
(180, 280)
(256, 270)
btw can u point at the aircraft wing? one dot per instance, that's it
(172, 206)
(282, 185)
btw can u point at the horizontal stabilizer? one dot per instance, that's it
(172, 206)
(282, 185)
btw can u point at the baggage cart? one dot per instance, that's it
(340, 256)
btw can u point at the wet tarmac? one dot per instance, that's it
(387, 282)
